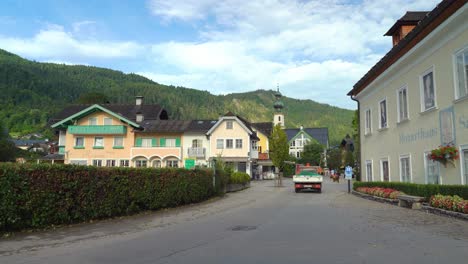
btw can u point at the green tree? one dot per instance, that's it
(93, 98)
(279, 149)
(334, 158)
(7, 147)
(312, 153)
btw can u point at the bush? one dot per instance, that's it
(35, 196)
(239, 177)
(447, 202)
(424, 190)
(380, 192)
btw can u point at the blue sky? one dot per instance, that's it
(314, 49)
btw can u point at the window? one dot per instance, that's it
(98, 142)
(141, 163)
(432, 170)
(228, 124)
(156, 164)
(170, 142)
(219, 143)
(383, 114)
(279, 118)
(402, 104)
(79, 142)
(110, 163)
(172, 163)
(229, 143)
(79, 162)
(92, 121)
(254, 145)
(464, 164)
(384, 170)
(124, 163)
(293, 143)
(427, 83)
(197, 143)
(298, 154)
(146, 142)
(118, 142)
(369, 176)
(107, 121)
(97, 163)
(238, 143)
(405, 168)
(461, 73)
(368, 122)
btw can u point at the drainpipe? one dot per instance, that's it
(359, 134)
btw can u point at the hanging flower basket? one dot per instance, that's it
(444, 154)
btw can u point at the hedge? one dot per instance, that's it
(423, 190)
(239, 177)
(36, 196)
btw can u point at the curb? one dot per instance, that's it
(443, 212)
(375, 198)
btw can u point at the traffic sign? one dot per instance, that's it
(348, 173)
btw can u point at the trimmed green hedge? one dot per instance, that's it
(239, 177)
(424, 190)
(35, 196)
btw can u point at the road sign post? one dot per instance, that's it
(349, 176)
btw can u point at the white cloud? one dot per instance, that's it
(54, 43)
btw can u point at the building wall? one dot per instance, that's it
(108, 152)
(187, 143)
(422, 132)
(237, 132)
(263, 142)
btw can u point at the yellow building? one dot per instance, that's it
(415, 99)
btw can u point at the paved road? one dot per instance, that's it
(263, 224)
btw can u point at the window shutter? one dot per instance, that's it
(138, 142)
(162, 142)
(177, 142)
(153, 142)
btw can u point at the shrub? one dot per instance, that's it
(34, 196)
(447, 202)
(239, 177)
(424, 190)
(380, 192)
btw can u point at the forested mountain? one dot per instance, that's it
(32, 92)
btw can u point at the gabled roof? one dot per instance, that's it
(410, 18)
(266, 127)
(230, 116)
(432, 20)
(201, 126)
(167, 126)
(28, 142)
(319, 134)
(91, 109)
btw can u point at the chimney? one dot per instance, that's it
(139, 117)
(139, 100)
(405, 25)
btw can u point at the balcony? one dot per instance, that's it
(253, 154)
(97, 130)
(196, 152)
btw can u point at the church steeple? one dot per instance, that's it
(278, 117)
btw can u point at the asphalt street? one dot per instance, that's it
(263, 224)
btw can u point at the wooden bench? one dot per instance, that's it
(408, 201)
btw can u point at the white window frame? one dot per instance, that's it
(462, 167)
(78, 161)
(126, 163)
(172, 162)
(144, 142)
(421, 89)
(368, 123)
(110, 161)
(156, 162)
(141, 160)
(107, 119)
(426, 176)
(382, 160)
(122, 141)
(76, 138)
(171, 142)
(455, 74)
(197, 143)
(97, 162)
(94, 144)
(370, 162)
(232, 143)
(406, 156)
(229, 125)
(90, 122)
(386, 113)
(399, 118)
(241, 143)
(219, 146)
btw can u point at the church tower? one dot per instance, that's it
(278, 117)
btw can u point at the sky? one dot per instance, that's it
(315, 49)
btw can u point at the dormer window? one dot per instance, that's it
(139, 117)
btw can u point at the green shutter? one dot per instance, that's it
(138, 142)
(153, 142)
(162, 142)
(177, 142)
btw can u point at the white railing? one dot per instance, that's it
(196, 152)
